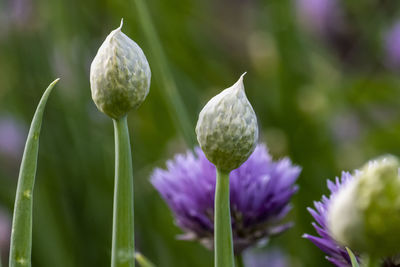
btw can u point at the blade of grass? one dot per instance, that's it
(21, 233)
(123, 241)
(175, 105)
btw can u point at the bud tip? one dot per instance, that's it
(55, 81)
(239, 83)
(122, 24)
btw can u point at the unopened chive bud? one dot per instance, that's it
(365, 216)
(227, 129)
(345, 220)
(119, 75)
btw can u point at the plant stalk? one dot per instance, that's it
(371, 261)
(223, 242)
(143, 261)
(21, 233)
(123, 242)
(175, 104)
(239, 260)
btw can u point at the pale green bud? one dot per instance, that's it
(345, 220)
(227, 129)
(365, 215)
(119, 75)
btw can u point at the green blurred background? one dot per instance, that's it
(322, 78)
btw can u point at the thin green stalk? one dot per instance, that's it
(143, 261)
(123, 242)
(21, 234)
(371, 261)
(239, 260)
(175, 105)
(223, 242)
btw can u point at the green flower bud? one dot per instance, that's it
(227, 129)
(365, 216)
(119, 75)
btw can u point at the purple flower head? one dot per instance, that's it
(5, 234)
(273, 257)
(392, 46)
(336, 254)
(12, 137)
(260, 191)
(319, 16)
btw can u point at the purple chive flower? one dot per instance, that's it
(260, 191)
(12, 137)
(392, 46)
(271, 257)
(5, 234)
(319, 16)
(336, 254)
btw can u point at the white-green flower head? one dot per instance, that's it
(119, 75)
(227, 129)
(365, 216)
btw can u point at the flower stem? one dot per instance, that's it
(123, 242)
(175, 104)
(239, 260)
(143, 261)
(21, 234)
(372, 261)
(223, 252)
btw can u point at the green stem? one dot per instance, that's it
(239, 260)
(21, 234)
(223, 252)
(175, 105)
(371, 261)
(123, 243)
(143, 261)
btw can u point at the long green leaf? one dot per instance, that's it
(353, 258)
(21, 234)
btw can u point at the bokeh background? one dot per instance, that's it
(323, 78)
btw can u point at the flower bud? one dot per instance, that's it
(119, 75)
(365, 216)
(227, 129)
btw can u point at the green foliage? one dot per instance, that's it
(327, 109)
(21, 235)
(123, 241)
(223, 241)
(143, 261)
(354, 262)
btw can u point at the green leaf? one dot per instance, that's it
(353, 258)
(143, 261)
(21, 235)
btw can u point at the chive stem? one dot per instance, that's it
(170, 91)
(123, 242)
(21, 233)
(371, 261)
(239, 260)
(143, 261)
(223, 244)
